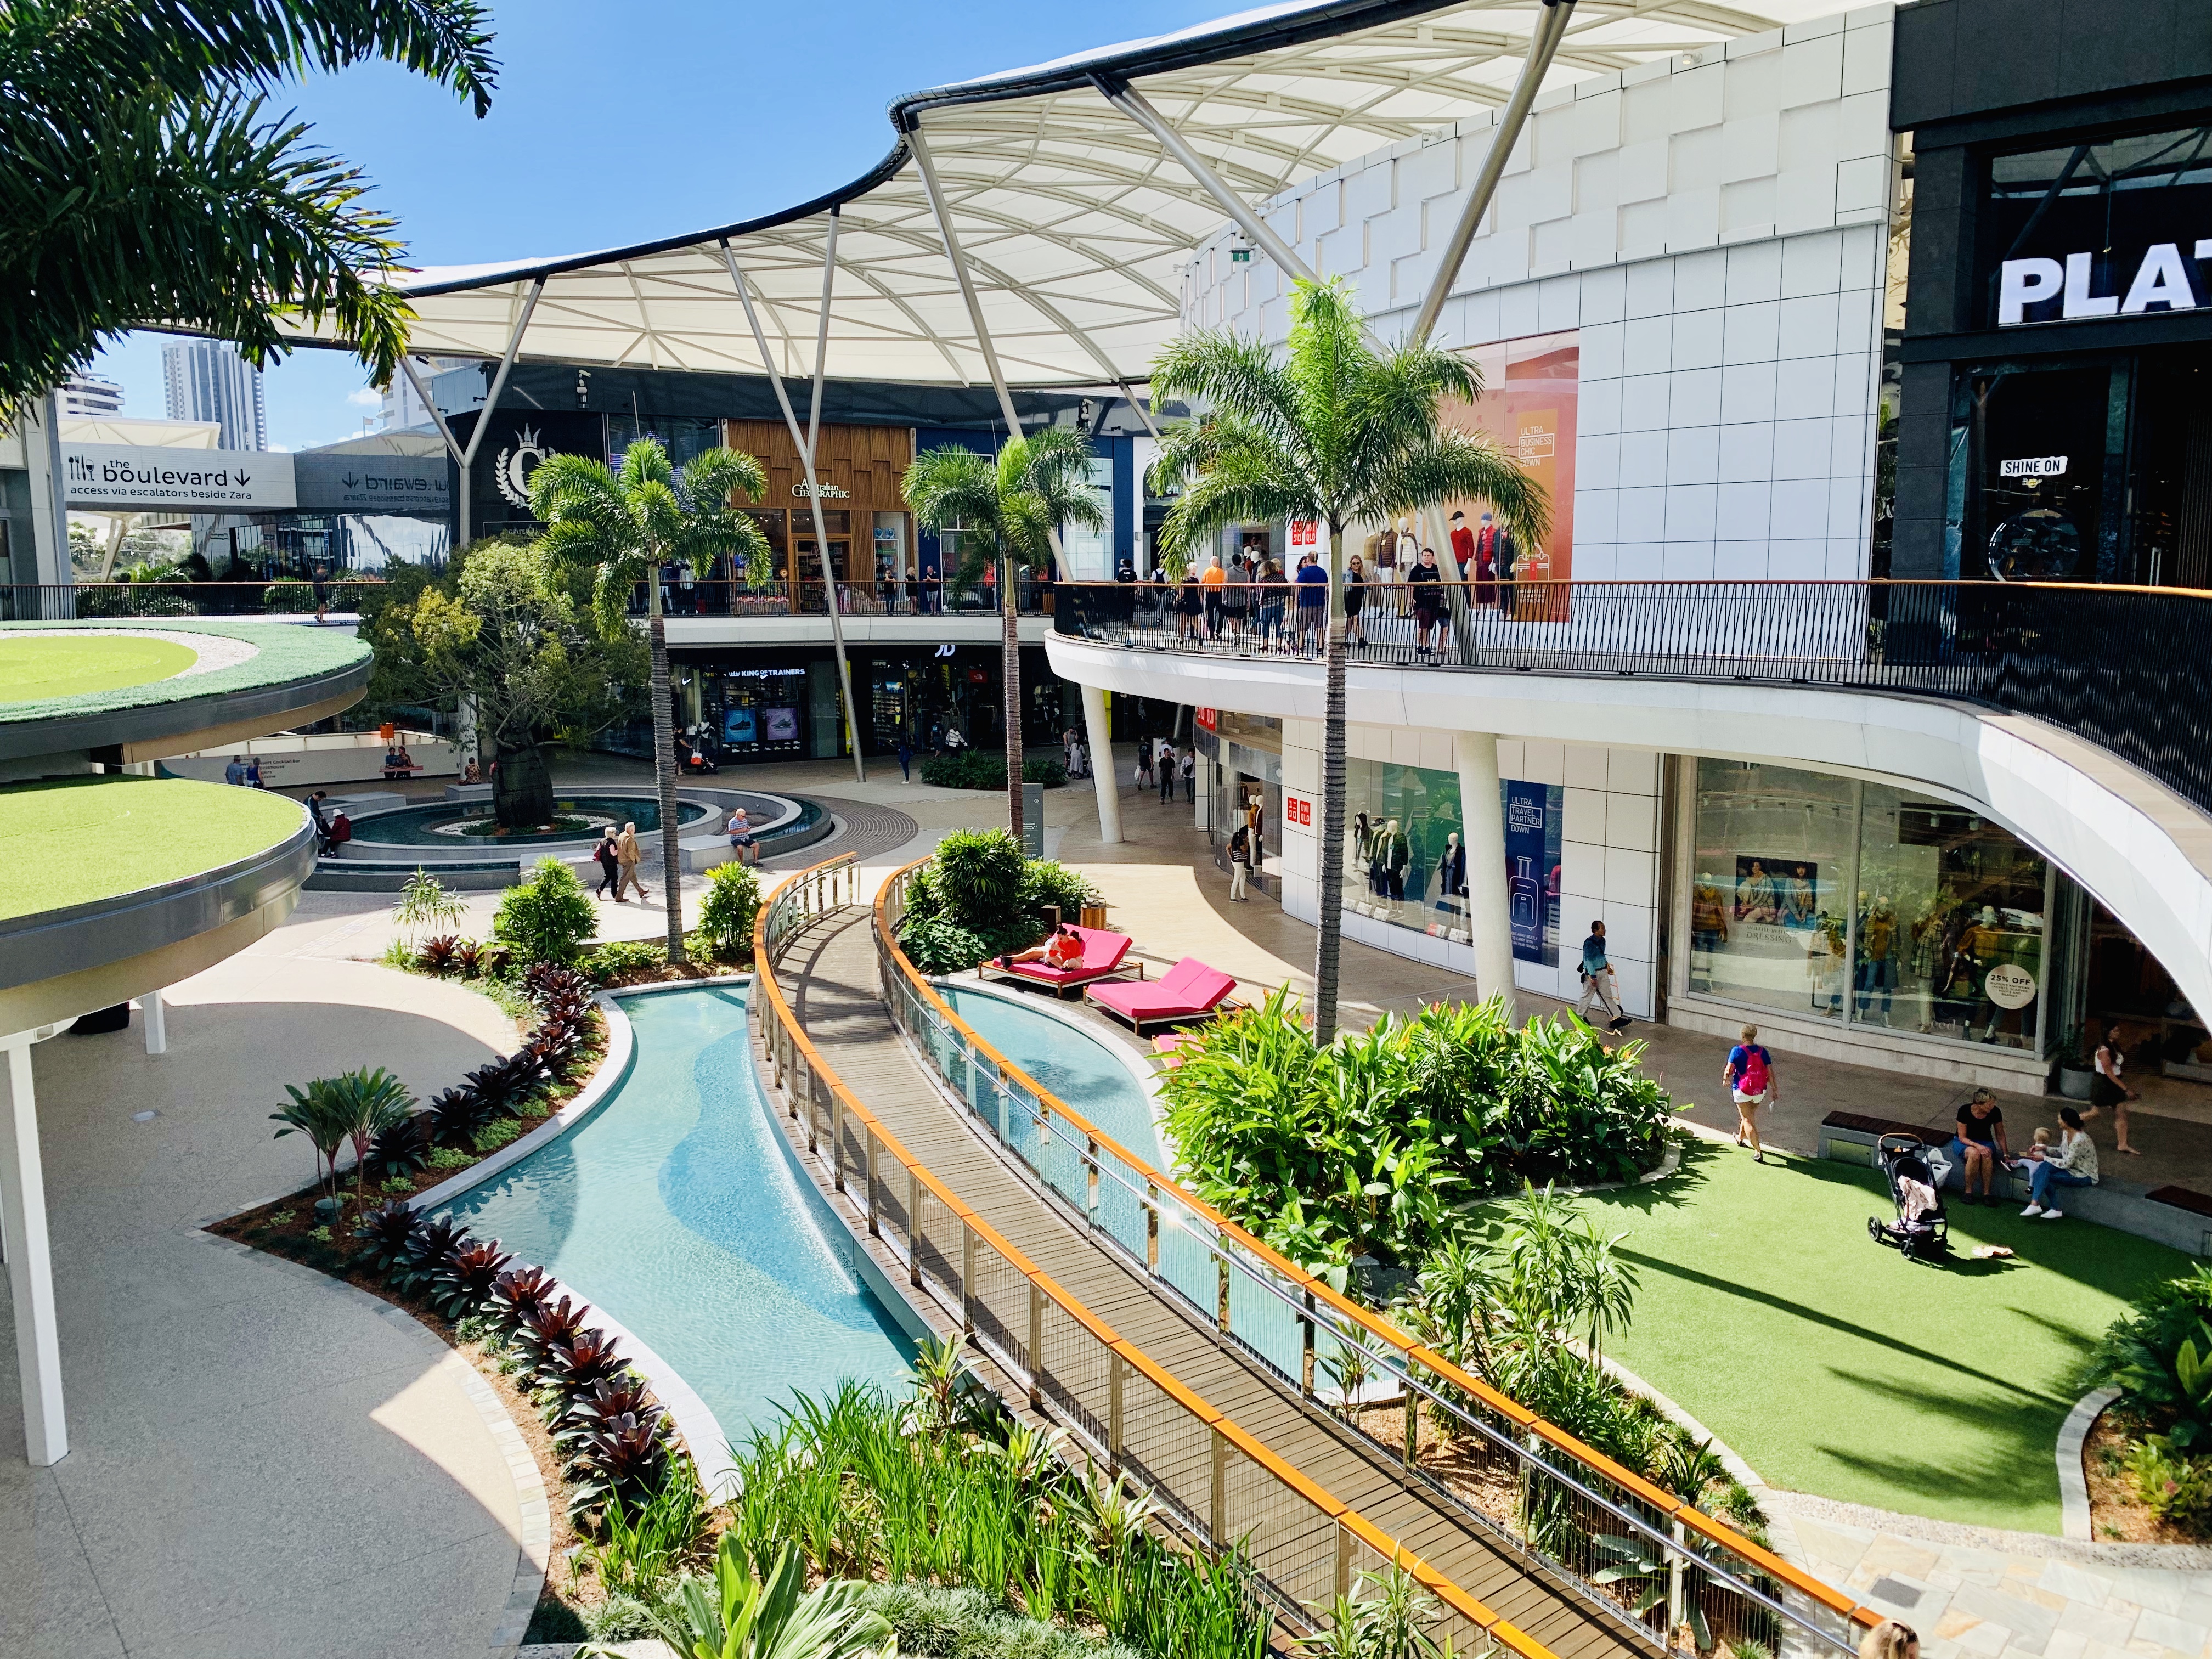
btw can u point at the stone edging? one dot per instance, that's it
(534, 1507)
(2073, 1479)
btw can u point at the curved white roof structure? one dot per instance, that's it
(1075, 223)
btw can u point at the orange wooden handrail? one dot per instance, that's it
(1468, 1606)
(1672, 1508)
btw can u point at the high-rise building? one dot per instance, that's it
(88, 397)
(403, 407)
(208, 380)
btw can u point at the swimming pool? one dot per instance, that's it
(673, 1207)
(1070, 1062)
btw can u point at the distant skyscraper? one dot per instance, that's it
(208, 380)
(87, 396)
(403, 408)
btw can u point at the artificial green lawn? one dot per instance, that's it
(1835, 1366)
(283, 651)
(50, 665)
(77, 840)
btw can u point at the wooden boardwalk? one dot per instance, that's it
(829, 971)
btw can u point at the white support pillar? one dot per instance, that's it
(1098, 728)
(1490, 901)
(156, 1017)
(30, 1263)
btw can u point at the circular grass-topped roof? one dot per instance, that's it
(90, 839)
(130, 883)
(148, 690)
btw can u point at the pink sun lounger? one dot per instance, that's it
(1189, 990)
(1101, 956)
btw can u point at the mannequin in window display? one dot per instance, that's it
(1451, 884)
(1363, 849)
(1393, 854)
(1409, 555)
(1508, 556)
(1879, 939)
(1485, 562)
(1708, 929)
(1463, 546)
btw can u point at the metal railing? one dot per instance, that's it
(152, 601)
(2129, 669)
(912, 598)
(1219, 1485)
(1571, 1512)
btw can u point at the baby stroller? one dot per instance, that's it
(1903, 1158)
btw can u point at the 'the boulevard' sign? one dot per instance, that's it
(2162, 279)
(197, 480)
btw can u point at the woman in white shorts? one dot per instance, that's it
(1749, 1075)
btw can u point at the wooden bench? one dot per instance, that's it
(1859, 1132)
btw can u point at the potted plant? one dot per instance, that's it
(2076, 1070)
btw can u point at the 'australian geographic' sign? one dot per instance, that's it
(195, 480)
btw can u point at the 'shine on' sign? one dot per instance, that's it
(2163, 281)
(2032, 466)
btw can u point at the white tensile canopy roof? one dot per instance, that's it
(1075, 224)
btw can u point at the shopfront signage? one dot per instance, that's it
(200, 480)
(2009, 986)
(1205, 719)
(2033, 467)
(1305, 532)
(818, 492)
(1296, 808)
(374, 484)
(2088, 285)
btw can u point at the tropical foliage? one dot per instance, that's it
(980, 897)
(547, 918)
(727, 913)
(356, 1108)
(1011, 510)
(976, 769)
(1373, 1143)
(2160, 1358)
(1334, 431)
(623, 525)
(146, 182)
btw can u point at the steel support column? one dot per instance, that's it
(804, 442)
(30, 1261)
(465, 457)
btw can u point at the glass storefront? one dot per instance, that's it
(1405, 856)
(759, 713)
(1865, 904)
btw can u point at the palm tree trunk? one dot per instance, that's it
(1328, 941)
(1010, 692)
(663, 766)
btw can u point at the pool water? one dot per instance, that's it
(673, 1207)
(437, 825)
(1069, 1062)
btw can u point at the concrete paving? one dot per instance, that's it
(264, 1462)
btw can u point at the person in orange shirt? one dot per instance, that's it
(1213, 578)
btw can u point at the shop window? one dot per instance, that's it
(1770, 864)
(1404, 859)
(759, 713)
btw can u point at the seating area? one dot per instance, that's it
(1189, 990)
(1102, 958)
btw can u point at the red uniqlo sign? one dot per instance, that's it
(1205, 719)
(1297, 809)
(1303, 534)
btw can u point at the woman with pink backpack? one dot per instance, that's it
(1749, 1075)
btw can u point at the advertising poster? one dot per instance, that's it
(1534, 817)
(1528, 408)
(738, 726)
(783, 725)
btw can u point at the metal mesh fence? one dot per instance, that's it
(1289, 1539)
(1073, 1375)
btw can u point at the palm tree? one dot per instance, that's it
(626, 525)
(144, 183)
(1010, 510)
(1336, 431)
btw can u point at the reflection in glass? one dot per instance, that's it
(1771, 863)
(1404, 858)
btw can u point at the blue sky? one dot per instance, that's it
(618, 122)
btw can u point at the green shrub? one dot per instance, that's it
(450, 1158)
(979, 897)
(935, 1622)
(493, 1136)
(986, 768)
(548, 917)
(2160, 1358)
(622, 955)
(726, 913)
(2174, 1487)
(1366, 1146)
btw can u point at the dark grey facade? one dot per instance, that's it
(2056, 367)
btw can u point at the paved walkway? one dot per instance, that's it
(831, 974)
(266, 1464)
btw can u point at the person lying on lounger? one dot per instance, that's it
(1063, 950)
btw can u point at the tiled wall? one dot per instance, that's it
(1609, 865)
(1715, 225)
